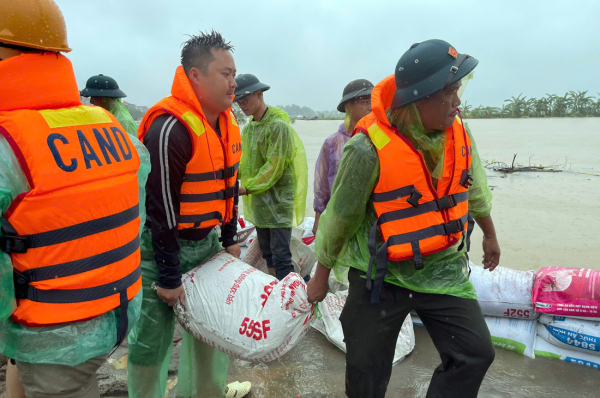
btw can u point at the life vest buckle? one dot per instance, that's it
(453, 227)
(14, 244)
(465, 179)
(228, 172)
(21, 284)
(414, 198)
(446, 202)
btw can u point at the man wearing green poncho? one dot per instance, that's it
(105, 93)
(273, 174)
(410, 174)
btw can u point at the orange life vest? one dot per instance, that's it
(414, 218)
(74, 237)
(209, 187)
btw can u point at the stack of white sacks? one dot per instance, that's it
(569, 327)
(525, 311)
(553, 313)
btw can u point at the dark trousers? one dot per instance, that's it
(456, 326)
(275, 246)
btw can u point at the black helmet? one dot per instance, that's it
(248, 84)
(354, 89)
(427, 68)
(102, 86)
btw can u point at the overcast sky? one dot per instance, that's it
(307, 51)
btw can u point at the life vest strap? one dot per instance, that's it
(452, 227)
(12, 242)
(446, 202)
(222, 174)
(67, 296)
(392, 195)
(80, 266)
(376, 285)
(227, 193)
(199, 218)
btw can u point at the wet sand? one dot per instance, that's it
(542, 219)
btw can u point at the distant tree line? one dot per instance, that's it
(572, 104)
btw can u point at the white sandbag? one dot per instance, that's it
(242, 312)
(303, 257)
(253, 257)
(511, 334)
(571, 333)
(331, 309)
(307, 226)
(504, 292)
(335, 285)
(545, 349)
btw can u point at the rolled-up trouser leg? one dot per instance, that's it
(150, 342)
(202, 370)
(371, 332)
(461, 336)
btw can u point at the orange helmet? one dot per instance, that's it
(33, 23)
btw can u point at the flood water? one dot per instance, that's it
(542, 219)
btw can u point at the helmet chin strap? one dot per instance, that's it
(454, 69)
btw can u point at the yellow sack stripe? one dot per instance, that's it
(378, 137)
(79, 116)
(194, 122)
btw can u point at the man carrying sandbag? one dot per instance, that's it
(194, 143)
(273, 173)
(398, 212)
(71, 208)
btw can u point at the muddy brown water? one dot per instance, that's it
(541, 220)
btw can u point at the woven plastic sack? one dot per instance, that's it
(242, 312)
(572, 292)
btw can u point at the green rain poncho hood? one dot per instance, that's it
(274, 170)
(119, 110)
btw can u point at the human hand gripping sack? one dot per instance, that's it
(318, 286)
(170, 296)
(234, 250)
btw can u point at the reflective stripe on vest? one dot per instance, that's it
(74, 237)
(209, 186)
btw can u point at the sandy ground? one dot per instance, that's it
(541, 220)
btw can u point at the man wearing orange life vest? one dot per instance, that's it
(407, 181)
(195, 149)
(71, 213)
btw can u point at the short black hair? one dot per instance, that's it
(196, 51)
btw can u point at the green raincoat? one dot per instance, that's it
(69, 343)
(344, 227)
(274, 170)
(119, 110)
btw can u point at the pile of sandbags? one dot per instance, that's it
(243, 312)
(517, 335)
